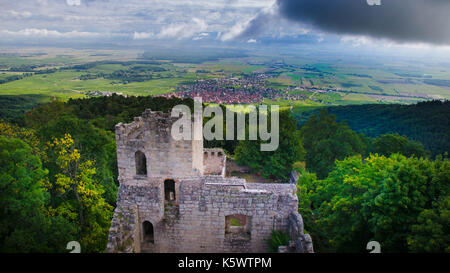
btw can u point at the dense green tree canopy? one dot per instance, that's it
(326, 140)
(60, 179)
(274, 164)
(93, 143)
(25, 224)
(427, 122)
(394, 143)
(397, 201)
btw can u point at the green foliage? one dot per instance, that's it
(277, 238)
(106, 112)
(426, 122)
(306, 192)
(25, 225)
(27, 135)
(45, 113)
(393, 143)
(326, 140)
(431, 233)
(77, 195)
(13, 108)
(93, 143)
(235, 222)
(396, 201)
(401, 202)
(273, 164)
(43, 211)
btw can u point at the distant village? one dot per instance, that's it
(232, 90)
(253, 89)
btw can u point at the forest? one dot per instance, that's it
(378, 181)
(427, 122)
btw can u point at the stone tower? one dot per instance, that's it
(174, 196)
(145, 149)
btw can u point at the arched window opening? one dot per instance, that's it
(147, 228)
(169, 190)
(141, 163)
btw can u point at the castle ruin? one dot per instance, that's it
(174, 196)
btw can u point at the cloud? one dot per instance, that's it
(73, 2)
(183, 30)
(142, 35)
(356, 41)
(133, 19)
(45, 33)
(251, 41)
(42, 2)
(201, 36)
(253, 27)
(398, 20)
(19, 14)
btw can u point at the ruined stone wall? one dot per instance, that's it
(214, 161)
(232, 166)
(151, 135)
(302, 243)
(196, 221)
(124, 231)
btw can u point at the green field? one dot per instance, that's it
(351, 83)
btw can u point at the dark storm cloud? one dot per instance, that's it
(400, 20)
(257, 25)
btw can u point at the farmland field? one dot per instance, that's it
(64, 73)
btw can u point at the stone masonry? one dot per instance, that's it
(174, 197)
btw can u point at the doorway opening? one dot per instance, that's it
(148, 233)
(169, 190)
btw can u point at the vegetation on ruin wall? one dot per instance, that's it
(277, 239)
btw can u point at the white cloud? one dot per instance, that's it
(183, 30)
(34, 32)
(369, 42)
(42, 2)
(250, 41)
(150, 19)
(172, 31)
(19, 14)
(142, 35)
(235, 31)
(73, 2)
(356, 41)
(200, 36)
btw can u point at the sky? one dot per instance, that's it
(419, 24)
